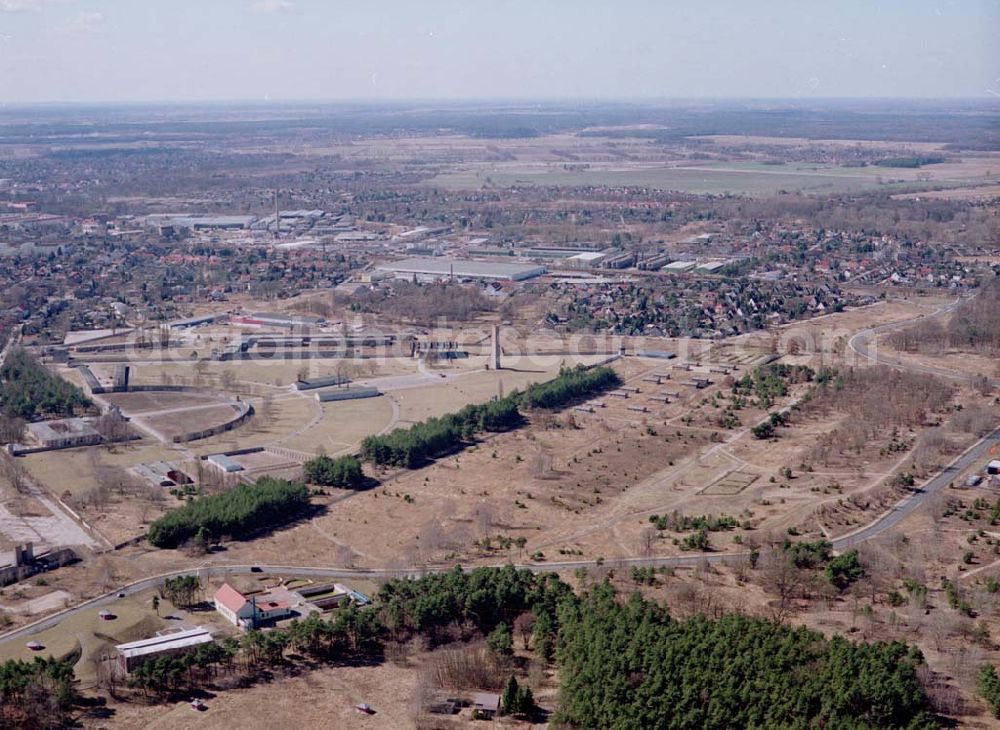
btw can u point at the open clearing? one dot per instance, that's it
(323, 697)
(747, 178)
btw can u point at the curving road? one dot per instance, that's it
(859, 344)
(887, 521)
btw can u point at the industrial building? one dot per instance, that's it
(224, 463)
(322, 382)
(587, 259)
(199, 222)
(64, 433)
(195, 321)
(22, 562)
(433, 269)
(277, 319)
(680, 266)
(336, 394)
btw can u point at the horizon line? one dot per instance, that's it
(580, 100)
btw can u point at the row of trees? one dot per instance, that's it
(480, 600)
(427, 304)
(238, 513)
(344, 471)
(28, 389)
(410, 447)
(683, 523)
(351, 633)
(484, 598)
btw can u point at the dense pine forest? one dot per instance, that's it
(629, 665)
(28, 389)
(235, 513)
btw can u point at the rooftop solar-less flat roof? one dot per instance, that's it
(440, 266)
(157, 644)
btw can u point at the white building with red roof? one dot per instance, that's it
(233, 605)
(248, 612)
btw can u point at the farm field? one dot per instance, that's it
(738, 177)
(979, 192)
(701, 180)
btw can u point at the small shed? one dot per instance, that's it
(486, 704)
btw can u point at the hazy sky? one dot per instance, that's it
(165, 50)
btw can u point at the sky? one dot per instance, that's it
(260, 50)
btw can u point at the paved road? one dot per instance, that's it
(887, 521)
(859, 344)
(914, 499)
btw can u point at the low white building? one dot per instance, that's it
(233, 605)
(248, 613)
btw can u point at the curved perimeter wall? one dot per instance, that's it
(244, 412)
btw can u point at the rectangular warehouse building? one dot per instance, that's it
(430, 269)
(179, 642)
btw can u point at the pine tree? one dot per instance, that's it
(500, 642)
(510, 697)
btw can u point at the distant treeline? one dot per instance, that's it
(109, 153)
(908, 161)
(904, 121)
(410, 447)
(28, 389)
(975, 325)
(236, 513)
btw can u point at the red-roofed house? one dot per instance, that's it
(233, 605)
(247, 612)
(272, 610)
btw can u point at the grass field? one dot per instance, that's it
(91, 635)
(703, 181)
(745, 178)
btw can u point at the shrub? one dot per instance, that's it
(344, 471)
(989, 688)
(844, 569)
